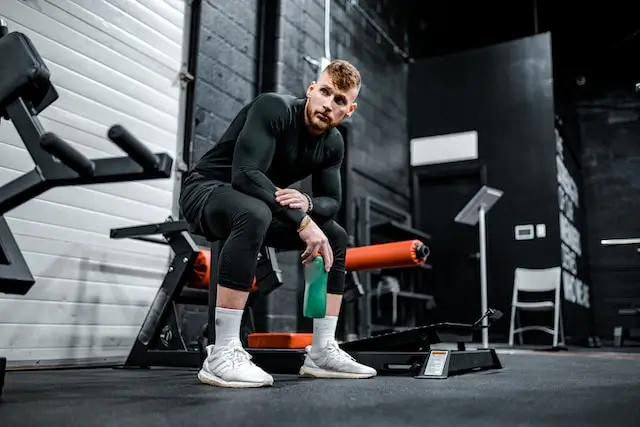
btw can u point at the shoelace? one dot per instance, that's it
(338, 353)
(237, 355)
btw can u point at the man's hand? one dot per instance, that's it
(292, 198)
(316, 242)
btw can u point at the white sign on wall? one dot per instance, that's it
(453, 147)
(575, 290)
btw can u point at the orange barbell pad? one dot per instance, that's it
(384, 256)
(201, 274)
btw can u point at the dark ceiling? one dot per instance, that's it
(588, 38)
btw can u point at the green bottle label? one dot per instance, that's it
(315, 289)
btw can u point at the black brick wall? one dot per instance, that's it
(226, 79)
(226, 69)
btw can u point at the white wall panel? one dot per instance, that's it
(112, 62)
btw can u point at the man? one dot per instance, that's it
(238, 192)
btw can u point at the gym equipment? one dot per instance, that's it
(405, 353)
(3, 368)
(387, 256)
(379, 222)
(26, 91)
(159, 341)
(474, 212)
(399, 353)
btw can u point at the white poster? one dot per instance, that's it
(575, 290)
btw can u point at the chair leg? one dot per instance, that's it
(520, 333)
(511, 325)
(561, 330)
(556, 323)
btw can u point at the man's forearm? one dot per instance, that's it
(254, 183)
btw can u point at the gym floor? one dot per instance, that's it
(576, 387)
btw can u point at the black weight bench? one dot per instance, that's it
(25, 91)
(160, 339)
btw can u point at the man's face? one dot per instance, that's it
(327, 106)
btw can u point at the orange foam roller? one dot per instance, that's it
(407, 253)
(201, 274)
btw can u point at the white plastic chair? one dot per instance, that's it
(537, 281)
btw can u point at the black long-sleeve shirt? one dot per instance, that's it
(268, 145)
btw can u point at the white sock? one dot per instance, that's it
(228, 323)
(324, 330)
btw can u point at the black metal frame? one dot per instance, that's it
(15, 275)
(191, 118)
(398, 227)
(403, 353)
(74, 168)
(144, 352)
(3, 368)
(154, 344)
(25, 91)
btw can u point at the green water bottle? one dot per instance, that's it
(315, 289)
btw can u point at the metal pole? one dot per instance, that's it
(483, 276)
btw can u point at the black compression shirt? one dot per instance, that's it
(268, 145)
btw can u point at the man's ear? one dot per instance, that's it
(352, 109)
(310, 88)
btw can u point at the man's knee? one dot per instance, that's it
(336, 234)
(253, 221)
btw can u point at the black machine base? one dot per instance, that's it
(3, 368)
(437, 364)
(406, 353)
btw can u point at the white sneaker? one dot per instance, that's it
(231, 366)
(333, 362)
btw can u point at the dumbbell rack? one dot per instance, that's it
(25, 91)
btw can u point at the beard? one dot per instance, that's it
(316, 122)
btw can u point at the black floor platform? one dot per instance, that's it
(533, 389)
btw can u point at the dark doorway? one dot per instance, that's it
(442, 191)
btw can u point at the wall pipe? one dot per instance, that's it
(327, 29)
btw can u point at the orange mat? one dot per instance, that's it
(279, 340)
